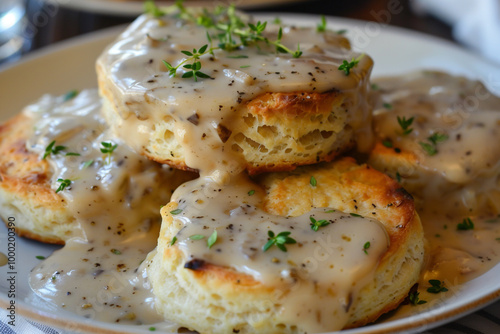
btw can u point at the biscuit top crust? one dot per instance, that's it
(453, 123)
(134, 76)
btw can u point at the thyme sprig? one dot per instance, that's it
(347, 66)
(64, 183)
(232, 34)
(405, 124)
(316, 224)
(435, 139)
(279, 240)
(53, 149)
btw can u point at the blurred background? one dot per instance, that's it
(28, 25)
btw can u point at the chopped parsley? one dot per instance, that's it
(279, 240)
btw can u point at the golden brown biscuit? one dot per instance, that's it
(211, 298)
(269, 110)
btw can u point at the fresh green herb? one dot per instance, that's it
(70, 95)
(279, 240)
(347, 66)
(341, 31)
(72, 154)
(176, 211)
(436, 286)
(245, 66)
(316, 224)
(152, 329)
(87, 163)
(313, 181)
(39, 257)
(321, 27)
(174, 239)
(196, 237)
(387, 143)
(465, 225)
(356, 215)
(251, 192)
(108, 148)
(64, 183)
(437, 235)
(387, 106)
(415, 299)
(431, 149)
(212, 239)
(398, 177)
(115, 251)
(366, 246)
(497, 239)
(277, 20)
(54, 278)
(151, 8)
(374, 86)
(238, 56)
(405, 124)
(330, 211)
(228, 29)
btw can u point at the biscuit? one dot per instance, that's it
(27, 178)
(270, 111)
(211, 298)
(446, 152)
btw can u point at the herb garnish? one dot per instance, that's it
(346, 66)
(64, 183)
(108, 148)
(414, 299)
(212, 239)
(151, 8)
(355, 215)
(431, 148)
(387, 143)
(251, 192)
(52, 149)
(70, 95)
(87, 163)
(405, 124)
(279, 240)
(115, 251)
(321, 27)
(40, 257)
(398, 177)
(316, 224)
(465, 225)
(196, 237)
(174, 239)
(313, 182)
(227, 30)
(366, 246)
(437, 286)
(176, 211)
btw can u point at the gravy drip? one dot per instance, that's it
(116, 200)
(460, 178)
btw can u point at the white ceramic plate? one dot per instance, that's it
(135, 7)
(70, 65)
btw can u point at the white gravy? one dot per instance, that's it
(116, 200)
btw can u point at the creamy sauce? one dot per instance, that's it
(460, 181)
(467, 164)
(116, 200)
(325, 269)
(145, 94)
